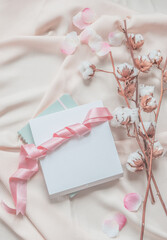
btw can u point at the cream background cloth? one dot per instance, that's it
(33, 74)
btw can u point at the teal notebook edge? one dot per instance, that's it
(25, 133)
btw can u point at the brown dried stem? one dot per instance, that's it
(127, 102)
(156, 116)
(101, 70)
(151, 158)
(127, 39)
(145, 132)
(146, 195)
(162, 92)
(122, 91)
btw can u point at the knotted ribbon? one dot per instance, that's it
(29, 155)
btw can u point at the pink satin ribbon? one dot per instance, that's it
(29, 155)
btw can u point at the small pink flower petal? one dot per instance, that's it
(120, 219)
(110, 228)
(78, 21)
(70, 43)
(88, 15)
(95, 42)
(115, 39)
(104, 49)
(87, 34)
(132, 201)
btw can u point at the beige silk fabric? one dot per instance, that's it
(33, 74)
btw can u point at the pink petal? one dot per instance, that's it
(104, 49)
(115, 39)
(88, 15)
(84, 18)
(86, 35)
(70, 43)
(132, 201)
(95, 42)
(120, 219)
(110, 228)
(78, 21)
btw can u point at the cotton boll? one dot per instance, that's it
(148, 103)
(146, 90)
(165, 77)
(158, 149)
(126, 72)
(124, 116)
(135, 161)
(87, 70)
(143, 63)
(128, 87)
(155, 57)
(135, 40)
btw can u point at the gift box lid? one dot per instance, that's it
(81, 162)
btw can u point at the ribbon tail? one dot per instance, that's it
(20, 201)
(21, 197)
(8, 209)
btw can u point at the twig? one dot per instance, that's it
(127, 102)
(122, 91)
(101, 70)
(141, 120)
(137, 92)
(133, 59)
(162, 91)
(132, 55)
(128, 132)
(159, 195)
(129, 46)
(152, 176)
(146, 196)
(151, 158)
(151, 192)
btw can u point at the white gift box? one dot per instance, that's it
(81, 162)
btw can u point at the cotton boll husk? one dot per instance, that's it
(143, 63)
(126, 72)
(148, 103)
(149, 127)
